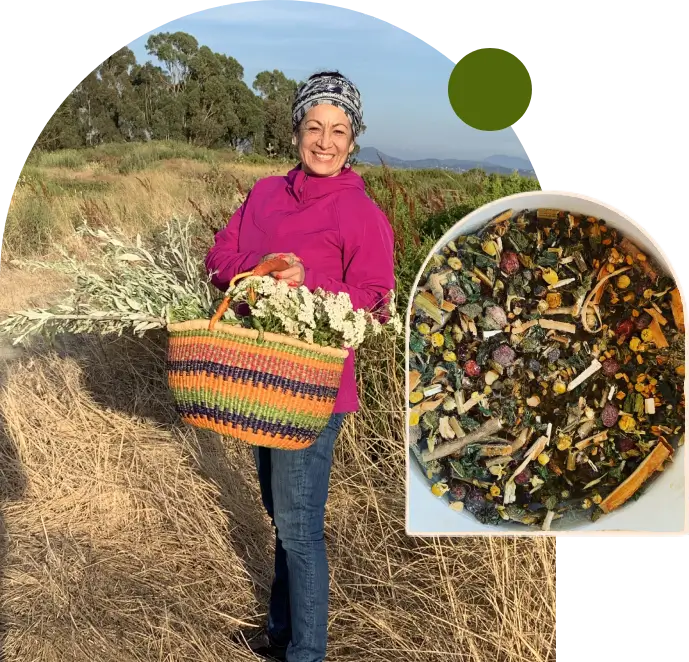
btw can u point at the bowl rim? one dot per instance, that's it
(503, 204)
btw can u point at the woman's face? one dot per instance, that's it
(325, 139)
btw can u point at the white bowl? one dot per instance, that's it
(660, 509)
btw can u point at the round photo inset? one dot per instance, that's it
(545, 361)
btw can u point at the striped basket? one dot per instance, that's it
(273, 391)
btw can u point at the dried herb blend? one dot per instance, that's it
(546, 365)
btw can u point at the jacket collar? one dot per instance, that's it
(305, 187)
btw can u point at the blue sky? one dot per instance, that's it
(403, 80)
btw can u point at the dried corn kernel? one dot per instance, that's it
(610, 268)
(627, 423)
(491, 377)
(639, 359)
(494, 490)
(543, 459)
(621, 395)
(457, 506)
(490, 247)
(415, 397)
(439, 489)
(680, 370)
(564, 442)
(423, 329)
(550, 276)
(414, 419)
(437, 340)
(623, 282)
(449, 356)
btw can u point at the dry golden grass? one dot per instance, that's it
(125, 536)
(52, 202)
(130, 537)
(23, 289)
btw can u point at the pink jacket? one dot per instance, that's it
(344, 240)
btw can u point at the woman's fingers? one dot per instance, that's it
(287, 274)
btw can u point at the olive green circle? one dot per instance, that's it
(489, 89)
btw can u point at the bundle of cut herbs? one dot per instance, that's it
(546, 369)
(133, 288)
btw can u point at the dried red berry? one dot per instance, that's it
(610, 367)
(509, 263)
(472, 368)
(642, 321)
(495, 318)
(504, 355)
(624, 329)
(609, 415)
(524, 477)
(625, 444)
(456, 295)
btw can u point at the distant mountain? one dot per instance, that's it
(500, 164)
(512, 162)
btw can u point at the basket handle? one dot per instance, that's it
(263, 269)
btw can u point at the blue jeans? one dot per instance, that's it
(294, 488)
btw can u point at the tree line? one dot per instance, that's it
(196, 96)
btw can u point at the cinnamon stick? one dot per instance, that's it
(488, 429)
(649, 466)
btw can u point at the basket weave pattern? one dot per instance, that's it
(276, 392)
(272, 391)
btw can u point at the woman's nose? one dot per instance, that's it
(325, 140)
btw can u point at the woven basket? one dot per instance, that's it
(272, 391)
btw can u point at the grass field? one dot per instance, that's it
(127, 536)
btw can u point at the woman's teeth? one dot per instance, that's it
(323, 157)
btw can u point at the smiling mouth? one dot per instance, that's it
(323, 157)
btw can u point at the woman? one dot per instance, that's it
(335, 238)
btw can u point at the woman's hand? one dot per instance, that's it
(294, 275)
(290, 258)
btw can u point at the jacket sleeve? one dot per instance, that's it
(225, 258)
(368, 261)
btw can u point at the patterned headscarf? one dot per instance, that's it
(332, 88)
